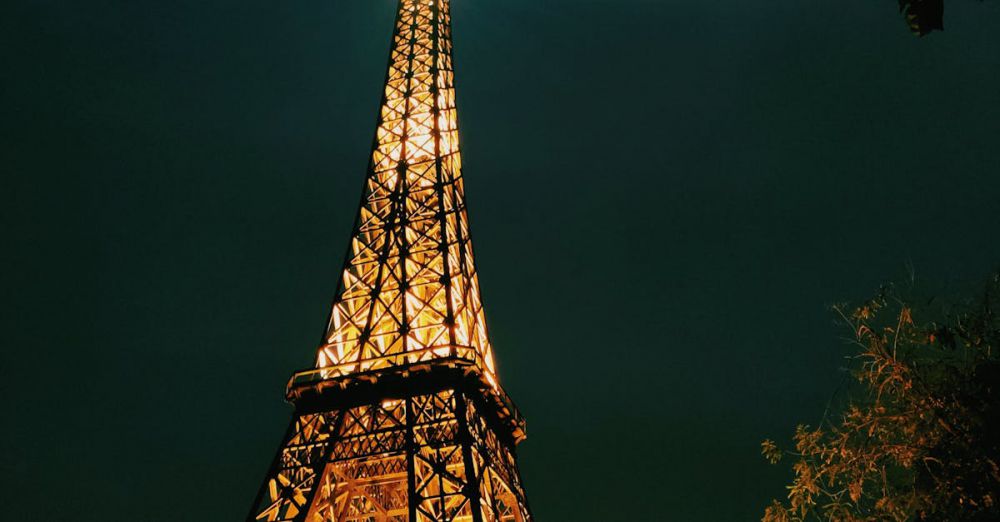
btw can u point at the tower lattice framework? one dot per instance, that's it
(403, 418)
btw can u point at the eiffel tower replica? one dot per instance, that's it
(403, 418)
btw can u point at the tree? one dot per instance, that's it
(921, 440)
(923, 16)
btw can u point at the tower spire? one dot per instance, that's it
(402, 418)
(409, 290)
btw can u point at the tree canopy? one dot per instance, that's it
(920, 440)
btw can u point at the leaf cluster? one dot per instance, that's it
(922, 439)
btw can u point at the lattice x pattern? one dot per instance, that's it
(402, 419)
(409, 290)
(426, 458)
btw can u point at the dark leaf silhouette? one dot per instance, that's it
(920, 439)
(923, 16)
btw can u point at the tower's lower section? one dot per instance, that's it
(426, 443)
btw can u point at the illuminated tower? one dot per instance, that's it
(403, 418)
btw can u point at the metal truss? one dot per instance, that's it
(402, 417)
(409, 290)
(431, 442)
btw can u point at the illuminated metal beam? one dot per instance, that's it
(402, 417)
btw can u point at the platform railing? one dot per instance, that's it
(310, 376)
(375, 365)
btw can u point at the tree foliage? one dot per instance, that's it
(923, 16)
(921, 440)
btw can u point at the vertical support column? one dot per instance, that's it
(465, 440)
(271, 471)
(411, 473)
(401, 194)
(440, 181)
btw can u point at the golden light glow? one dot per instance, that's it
(365, 478)
(409, 291)
(431, 442)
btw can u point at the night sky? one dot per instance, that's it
(665, 198)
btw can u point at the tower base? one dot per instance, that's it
(426, 442)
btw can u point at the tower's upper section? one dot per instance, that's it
(409, 291)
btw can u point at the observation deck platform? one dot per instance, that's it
(325, 389)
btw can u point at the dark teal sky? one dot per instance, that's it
(665, 197)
